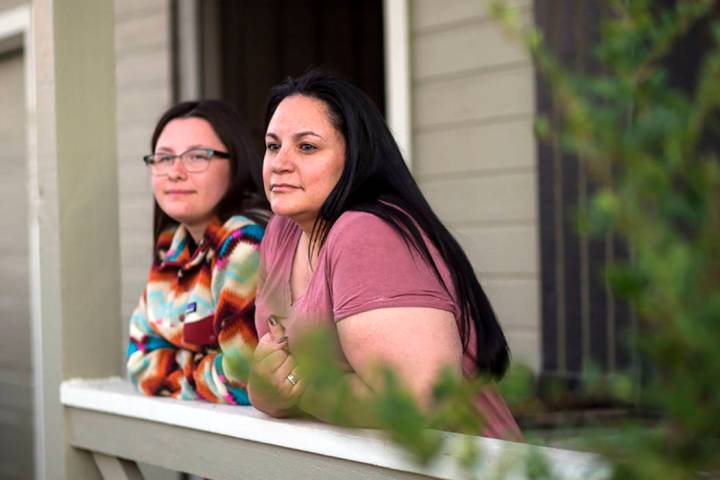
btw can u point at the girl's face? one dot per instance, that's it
(191, 198)
(304, 159)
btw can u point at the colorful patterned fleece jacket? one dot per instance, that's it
(194, 326)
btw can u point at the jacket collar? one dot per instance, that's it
(174, 246)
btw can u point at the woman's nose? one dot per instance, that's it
(281, 161)
(177, 169)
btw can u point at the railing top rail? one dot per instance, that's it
(118, 397)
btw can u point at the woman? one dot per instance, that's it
(195, 321)
(355, 246)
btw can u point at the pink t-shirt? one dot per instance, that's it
(363, 265)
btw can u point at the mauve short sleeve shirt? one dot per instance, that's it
(363, 265)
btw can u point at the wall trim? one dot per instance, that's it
(187, 53)
(14, 22)
(397, 74)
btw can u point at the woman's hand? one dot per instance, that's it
(273, 386)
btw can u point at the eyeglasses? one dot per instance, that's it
(195, 160)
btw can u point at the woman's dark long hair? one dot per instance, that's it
(245, 194)
(376, 180)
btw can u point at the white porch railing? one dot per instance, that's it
(119, 426)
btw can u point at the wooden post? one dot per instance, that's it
(113, 468)
(73, 150)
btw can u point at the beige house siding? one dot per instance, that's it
(6, 5)
(144, 92)
(16, 373)
(474, 152)
(143, 76)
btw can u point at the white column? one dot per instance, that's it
(397, 74)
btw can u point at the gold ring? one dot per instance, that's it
(292, 378)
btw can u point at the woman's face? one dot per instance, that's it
(304, 158)
(191, 198)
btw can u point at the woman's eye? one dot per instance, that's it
(307, 147)
(164, 159)
(272, 147)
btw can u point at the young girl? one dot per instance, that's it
(195, 317)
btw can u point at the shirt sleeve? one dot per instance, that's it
(371, 266)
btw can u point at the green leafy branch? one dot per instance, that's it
(652, 147)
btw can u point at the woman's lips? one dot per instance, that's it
(282, 188)
(179, 192)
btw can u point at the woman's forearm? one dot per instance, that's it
(331, 407)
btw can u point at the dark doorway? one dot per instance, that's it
(262, 42)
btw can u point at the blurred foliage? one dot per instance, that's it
(652, 145)
(393, 409)
(420, 430)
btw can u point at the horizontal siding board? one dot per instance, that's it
(133, 170)
(137, 273)
(137, 9)
(16, 459)
(143, 68)
(14, 150)
(516, 301)
(432, 13)
(10, 4)
(16, 389)
(137, 224)
(136, 221)
(134, 140)
(144, 103)
(14, 267)
(524, 346)
(140, 241)
(510, 249)
(135, 276)
(139, 236)
(6, 301)
(474, 148)
(135, 180)
(15, 222)
(15, 351)
(147, 31)
(430, 52)
(12, 62)
(131, 297)
(496, 198)
(474, 97)
(137, 205)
